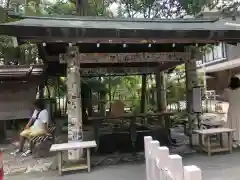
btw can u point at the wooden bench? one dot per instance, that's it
(40, 145)
(60, 148)
(209, 147)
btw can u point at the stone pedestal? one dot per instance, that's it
(74, 108)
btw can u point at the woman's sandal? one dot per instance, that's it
(15, 152)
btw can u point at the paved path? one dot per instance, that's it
(218, 167)
(116, 172)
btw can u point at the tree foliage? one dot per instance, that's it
(150, 8)
(226, 7)
(91, 8)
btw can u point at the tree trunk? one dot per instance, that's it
(143, 94)
(82, 6)
(110, 96)
(161, 94)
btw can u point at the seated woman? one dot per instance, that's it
(36, 126)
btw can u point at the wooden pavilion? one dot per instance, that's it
(92, 46)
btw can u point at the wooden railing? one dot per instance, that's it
(160, 165)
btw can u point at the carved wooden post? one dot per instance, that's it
(191, 82)
(161, 93)
(74, 108)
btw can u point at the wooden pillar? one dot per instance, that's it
(41, 90)
(143, 94)
(191, 82)
(74, 107)
(102, 98)
(161, 93)
(102, 110)
(89, 104)
(2, 131)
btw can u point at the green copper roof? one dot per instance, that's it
(103, 23)
(63, 28)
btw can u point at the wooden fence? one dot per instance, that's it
(160, 165)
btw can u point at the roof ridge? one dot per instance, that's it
(92, 18)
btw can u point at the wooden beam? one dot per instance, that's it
(123, 71)
(93, 58)
(120, 71)
(21, 70)
(184, 41)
